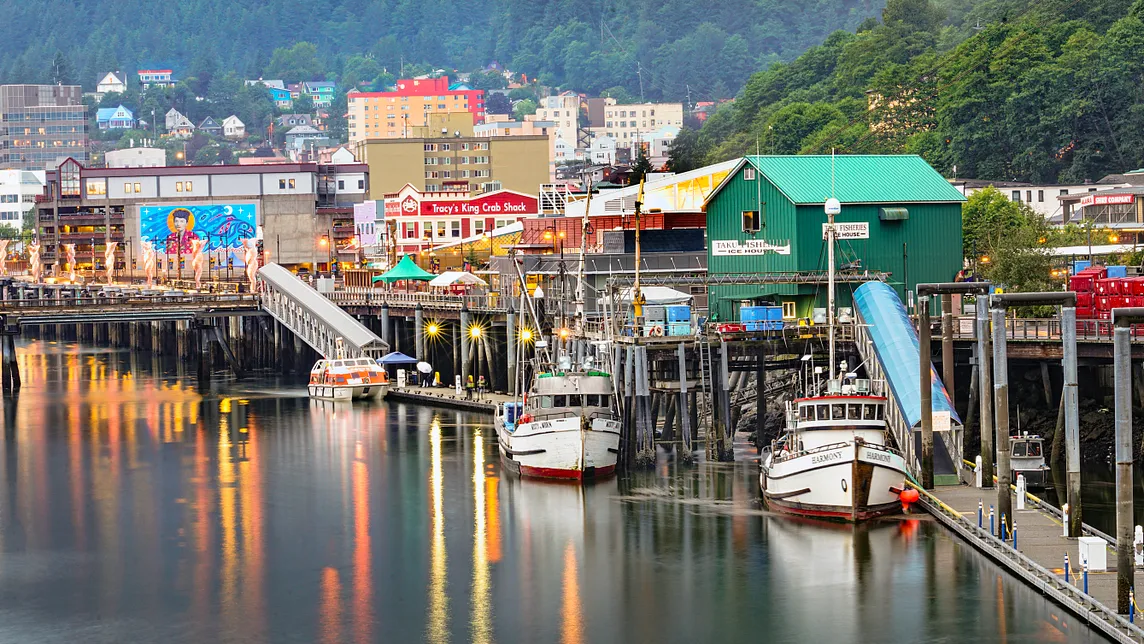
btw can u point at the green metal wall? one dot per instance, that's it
(931, 236)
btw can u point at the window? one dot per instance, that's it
(361, 184)
(838, 412)
(96, 187)
(1041, 196)
(750, 221)
(478, 226)
(463, 160)
(854, 412)
(127, 188)
(281, 184)
(1029, 196)
(748, 174)
(789, 311)
(1019, 449)
(455, 228)
(823, 412)
(291, 183)
(430, 147)
(430, 174)
(138, 188)
(446, 160)
(446, 174)
(430, 160)
(560, 401)
(410, 230)
(1064, 192)
(444, 147)
(1016, 195)
(868, 412)
(341, 185)
(441, 229)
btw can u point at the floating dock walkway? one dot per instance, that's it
(1038, 557)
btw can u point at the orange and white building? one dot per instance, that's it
(393, 115)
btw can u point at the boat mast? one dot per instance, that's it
(833, 207)
(637, 297)
(542, 354)
(583, 253)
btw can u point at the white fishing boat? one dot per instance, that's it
(835, 457)
(834, 460)
(564, 428)
(347, 379)
(1027, 458)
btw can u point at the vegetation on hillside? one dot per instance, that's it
(675, 47)
(1036, 90)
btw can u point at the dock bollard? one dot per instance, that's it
(1138, 546)
(1022, 485)
(1066, 567)
(1014, 536)
(1001, 529)
(992, 528)
(1084, 572)
(1131, 607)
(1065, 516)
(977, 472)
(980, 512)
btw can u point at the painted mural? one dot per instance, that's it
(174, 229)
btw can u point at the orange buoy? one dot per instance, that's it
(908, 496)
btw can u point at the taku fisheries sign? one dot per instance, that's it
(854, 230)
(734, 247)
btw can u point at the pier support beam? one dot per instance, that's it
(385, 328)
(684, 407)
(1001, 400)
(511, 346)
(1071, 404)
(925, 383)
(464, 332)
(1122, 320)
(947, 362)
(419, 333)
(985, 390)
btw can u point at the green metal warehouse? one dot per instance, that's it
(767, 217)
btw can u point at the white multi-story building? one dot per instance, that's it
(1045, 199)
(18, 190)
(631, 123)
(110, 83)
(602, 151)
(136, 158)
(564, 111)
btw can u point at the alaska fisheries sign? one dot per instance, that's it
(734, 247)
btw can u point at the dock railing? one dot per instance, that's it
(1095, 614)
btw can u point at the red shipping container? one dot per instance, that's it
(1121, 301)
(1082, 283)
(1104, 315)
(1099, 272)
(1085, 312)
(1104, 302)
(1084, 300)
(1136, 300)
(1135, 285)
(1108, 286)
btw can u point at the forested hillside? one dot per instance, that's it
(1038, 90)
(587, 45)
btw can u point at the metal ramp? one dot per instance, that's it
(314, 318)
(888, 344)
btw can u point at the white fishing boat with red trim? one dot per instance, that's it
(345, 379)
(834, 460)
(566, 426)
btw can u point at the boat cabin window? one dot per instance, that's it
(546, 402)
(868, 412)
(806, 412)
(838, 412)
(560, 401)
(1026, 448)
(854, 412)
(1019, 448)
(823, 412)
(596, 400)
(880, 410)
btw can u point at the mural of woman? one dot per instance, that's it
(34, 261)
(3, 256)
(250, 258)
(149, 262)
(69, 250)
(109, 259)
(197, 261)
(181, 222)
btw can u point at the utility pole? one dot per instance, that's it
(639, 72)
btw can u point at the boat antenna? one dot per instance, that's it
(584, 228)
(637, 296)
(530, 306)
(833, 207)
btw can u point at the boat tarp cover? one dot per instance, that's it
(896, 345)
(654, 295)
(396, 357)
(405, 270)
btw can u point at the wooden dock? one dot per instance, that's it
(447, 397)
(1038, 558)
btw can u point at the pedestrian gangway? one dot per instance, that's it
(888, 344)
(315, 319)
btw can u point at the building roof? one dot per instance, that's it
(273, 83)
(153, 71)
(110, 78)
(209, 123)
(233, 120)
(302, 129)
(857, 178)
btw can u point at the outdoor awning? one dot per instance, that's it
(658, 295)
(406, 269)
(510, 229)
(455, 278)
(396, 357)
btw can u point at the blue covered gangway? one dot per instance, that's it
(888, 344)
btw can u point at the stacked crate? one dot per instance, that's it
(761, 318)
(678, 320)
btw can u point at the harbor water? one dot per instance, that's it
(135, 508)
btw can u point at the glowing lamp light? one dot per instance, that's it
(432, 328)
(984, 259)
(1113, 239)
(475, 332)
(564, 333)
(526, 335)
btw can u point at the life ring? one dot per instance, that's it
(656, 331)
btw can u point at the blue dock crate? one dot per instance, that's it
(678, 313)
(678, 328)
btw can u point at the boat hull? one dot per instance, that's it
(850, 481)
(347, 392)
(561, 448)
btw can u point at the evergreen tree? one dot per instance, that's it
(60, 72)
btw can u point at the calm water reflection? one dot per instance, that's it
(134, 509)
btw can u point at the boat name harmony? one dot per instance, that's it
(824, 458)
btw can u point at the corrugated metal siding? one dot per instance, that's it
(725, 222)
(858, 178)
(932, 236)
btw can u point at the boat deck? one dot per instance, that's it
(1039, 555)
(448, 397)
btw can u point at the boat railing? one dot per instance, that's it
(827, 448)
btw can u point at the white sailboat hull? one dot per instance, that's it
(561, 448)
(851, 481)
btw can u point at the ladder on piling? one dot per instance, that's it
(706, 390)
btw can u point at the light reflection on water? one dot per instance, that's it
(134, 509)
